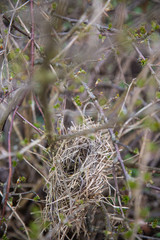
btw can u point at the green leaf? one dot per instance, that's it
(24, 142)
(154, 25)
(17, 50)
(136, 151)
(147, 177)
(81, 71)
(125, 199)
(144, 61)
(54, 6)
(37, 125)
(128, 234)
(14, 163)
(142, 30)
(134, 172)
(4, 237)
(19, 156)
(34, 230)
(141, 82)
(133, 184)
(36, 198)
(56, 106)
(26, 57)
(158, 95)
(81, 89)
(110, 25)
(92, 137)
(53, 168)
(21, 179)
(77, 100)
(154, 223)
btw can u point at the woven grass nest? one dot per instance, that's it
(80, 172)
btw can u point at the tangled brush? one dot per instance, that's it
(78, 177)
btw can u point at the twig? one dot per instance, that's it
(84, 132)
(15, 27)
(7, 39)
(153, 187)
(39, 107)
(31, 165)
(32, 144)
(38, 130)
(128, 90)
(85, 28)
(10, 161)
(32, 37)
(10, 24)
(117, 190)
(136, 115)
(17, 8)
(144, 157)
(18, 97)
(73, 20)
(17, 216)
(148, 64)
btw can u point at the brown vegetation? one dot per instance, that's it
(79, 119)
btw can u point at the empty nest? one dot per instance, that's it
(79, 174)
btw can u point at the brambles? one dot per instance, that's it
(79, 119)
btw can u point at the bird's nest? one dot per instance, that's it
(80, 172)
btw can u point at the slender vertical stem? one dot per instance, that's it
(10, 160)
(32, 37)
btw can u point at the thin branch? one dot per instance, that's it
(32, 37)
(17, 216)
(84, 132)
(15, 27)
(32, 144)
(35, 128)
(101, 28)
(31, 165)
(153, 187)
(17, 99)
(127, 94)
(38, 105)
(10, 24)
(136, 115)
(85, 28)
(148, 64)
(117, 190)
(10, 161)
